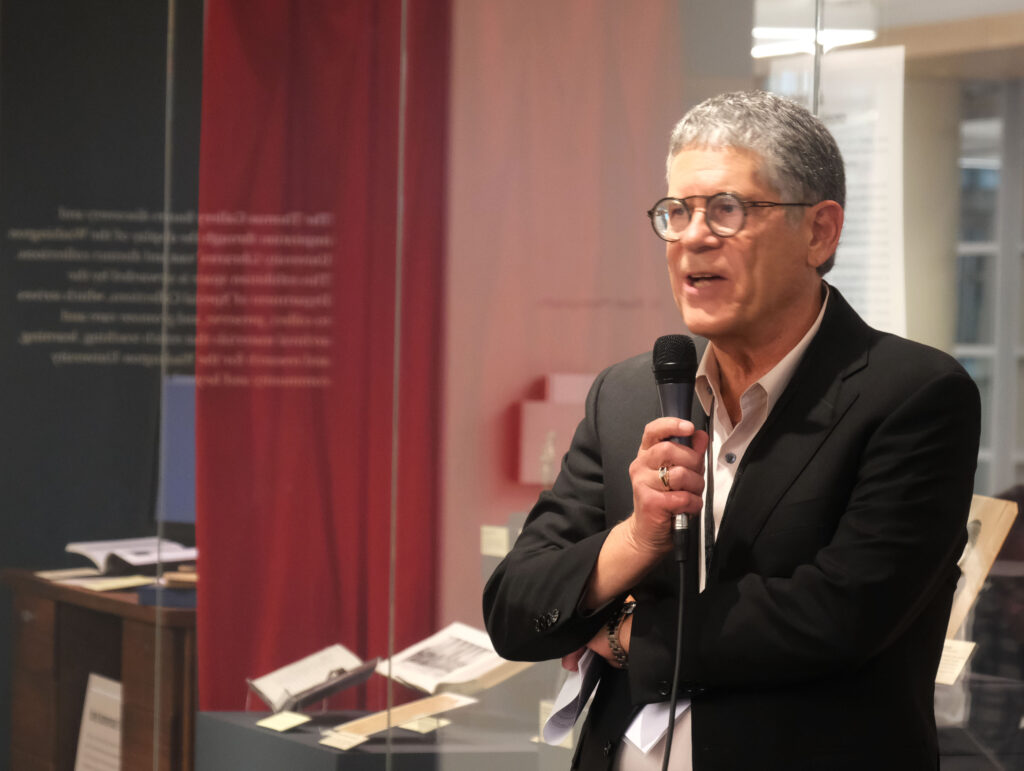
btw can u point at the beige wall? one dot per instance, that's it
(931, 184)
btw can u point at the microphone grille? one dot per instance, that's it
(675, 359)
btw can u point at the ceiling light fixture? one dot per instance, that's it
(783, 41)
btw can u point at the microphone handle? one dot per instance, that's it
(677, 402)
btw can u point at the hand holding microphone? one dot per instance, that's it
(640, 542)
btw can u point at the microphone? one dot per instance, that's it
(675, 367)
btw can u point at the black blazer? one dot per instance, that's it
(817, 638)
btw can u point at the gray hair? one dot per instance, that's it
(800, 158)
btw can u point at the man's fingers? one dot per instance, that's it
(664, 428)
(571, 661)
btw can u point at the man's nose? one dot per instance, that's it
(697, 232)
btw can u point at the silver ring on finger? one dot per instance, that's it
(663, 476)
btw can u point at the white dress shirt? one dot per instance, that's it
(645, 737)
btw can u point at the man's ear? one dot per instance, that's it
(826, 225)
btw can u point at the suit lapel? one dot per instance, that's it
(819, 395)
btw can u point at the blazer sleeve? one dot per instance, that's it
(532, 600)
(890, 558)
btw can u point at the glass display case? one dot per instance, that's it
(311, 295)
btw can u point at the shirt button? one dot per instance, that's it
(730, 457)
(664, 688)
(607, 749)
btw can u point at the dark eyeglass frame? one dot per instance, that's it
(684, 202)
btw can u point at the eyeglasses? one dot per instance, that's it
(725, 213)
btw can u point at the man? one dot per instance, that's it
(841, 469)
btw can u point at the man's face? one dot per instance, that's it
(748, 288)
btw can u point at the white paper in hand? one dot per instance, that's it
(572, 699)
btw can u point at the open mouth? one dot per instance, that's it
(698, 279)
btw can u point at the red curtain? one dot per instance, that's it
(296, 299)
